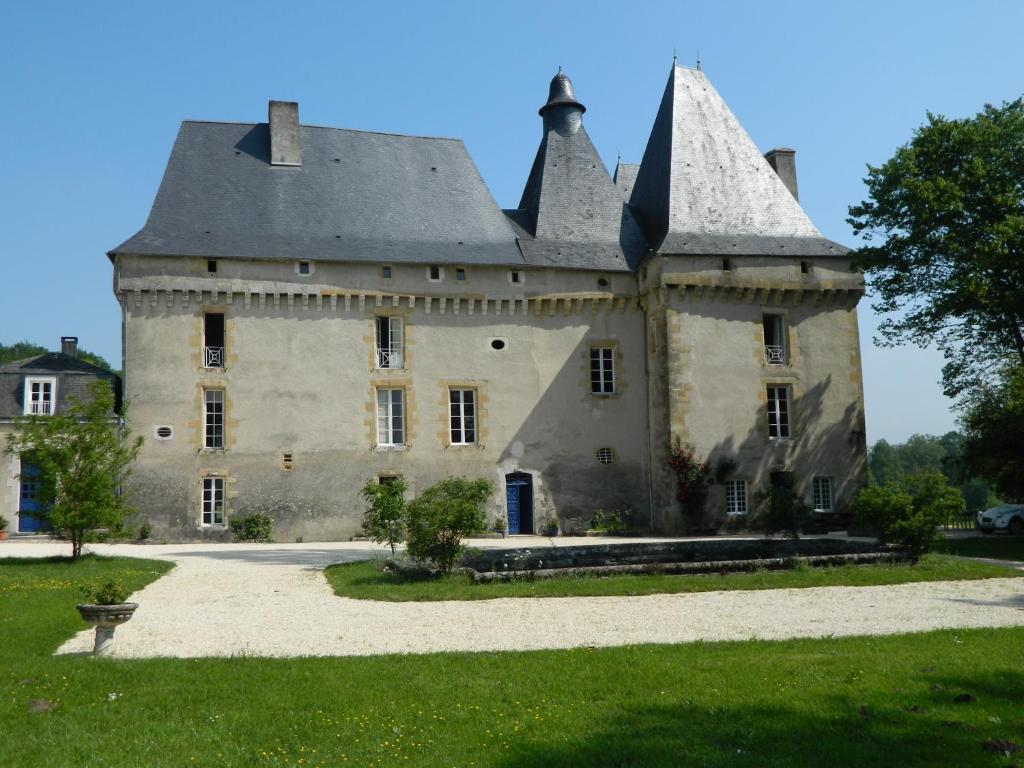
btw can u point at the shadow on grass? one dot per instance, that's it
(836, 731)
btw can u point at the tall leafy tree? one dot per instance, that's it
(84, 455)
(994, 433)
(944, 231)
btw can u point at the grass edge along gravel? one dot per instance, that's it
(365, 580)
(937, 698)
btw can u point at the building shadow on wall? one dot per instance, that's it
(836, 449)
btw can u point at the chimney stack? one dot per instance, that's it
(783, 162)
(285, 148)
(69, 346)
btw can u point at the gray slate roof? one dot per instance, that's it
(73, 378)
(703, 181)
(358, 196)
(570, 204)
(625, 177)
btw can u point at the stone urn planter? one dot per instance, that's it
(105, 618)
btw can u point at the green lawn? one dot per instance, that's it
(366, 581)
(999, 547)
(805, 704)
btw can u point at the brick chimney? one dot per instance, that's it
(285, 148)
(783, 161)
(69, 346)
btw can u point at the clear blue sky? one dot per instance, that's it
(94, 92)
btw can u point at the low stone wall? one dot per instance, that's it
(710, 566)
(619, 554)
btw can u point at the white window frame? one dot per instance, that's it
(390, 420)
(737, 497)
(521, 274)
(605, 370)
(393, 355)
(46, 407)
(781, 409)
(821, 494)
(440, 273)
(214, 502)
(459, 413)
(207, 402)
(308, 263)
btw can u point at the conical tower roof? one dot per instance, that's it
(704, 186)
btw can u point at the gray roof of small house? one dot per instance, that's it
(73, 379)
(358, 196)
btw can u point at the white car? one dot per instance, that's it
(1006, 517)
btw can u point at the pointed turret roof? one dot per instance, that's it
(705, 187)
(571, 211)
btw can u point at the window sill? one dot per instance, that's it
(385, 448)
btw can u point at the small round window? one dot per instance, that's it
(163, 432)
(498, 344)
(605, 455)
(603, 282)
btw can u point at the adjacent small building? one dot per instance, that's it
(308, 309)
(38, 386)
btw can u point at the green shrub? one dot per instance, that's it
(439, 519)
(107, 593)
(254, 527)
(781, 509)
(692, 480)
(383, 520)
(908, 514)
(613, 521)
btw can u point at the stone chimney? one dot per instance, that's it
(69, 346)
(285, 148)
(783, 161)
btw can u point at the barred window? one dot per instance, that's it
(778, 412)
(602, 373)
(390, 417)
(462, 412)
(389, 342)
(605, 455)
(214, 418)
(213, 501)
(822, 491)
(736, 497)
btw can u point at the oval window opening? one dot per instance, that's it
(603, 282)
(497, 344)
(164, 433)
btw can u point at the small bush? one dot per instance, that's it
(108, 593)
(383, 520)
(145, 531)
(908, 515)
(442, 516)
(692, 480)
(254, 527)
(611, 521)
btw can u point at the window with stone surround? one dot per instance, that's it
(602, 370)
(778, 411)
(213, 501)
(389, 342)
(213, 419)
(462, 416)
(736, 497)
(390, 416)
(821, 488)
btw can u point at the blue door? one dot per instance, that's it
(28, 501)
(519, 494)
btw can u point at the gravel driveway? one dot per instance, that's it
(273, 600)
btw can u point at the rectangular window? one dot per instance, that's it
(213, 418)
(778, 412)
(385, 272)
(213, 501)
(389, 342)
(460, 274)
(736, 497)
(462, 412)
(434, 272)
(211, 266)
(515, 277)
(40, 395)
(822, 490)
(602, 374)
(213, 340)
(390, 417)
(774, 339)
(303, 267)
